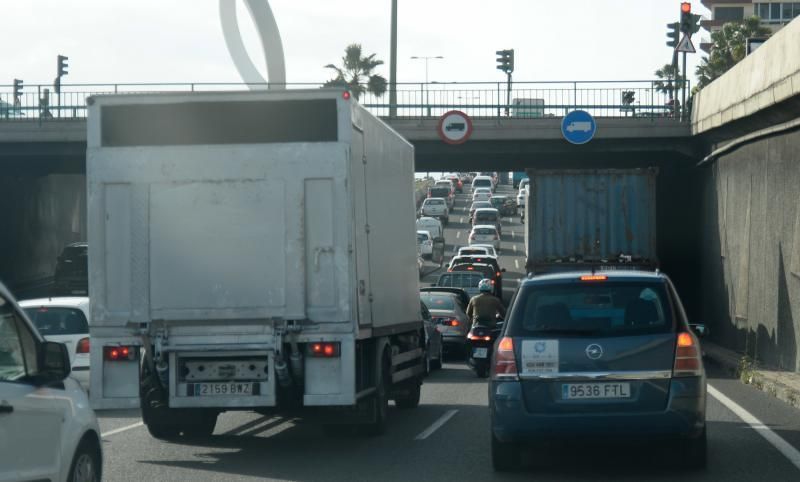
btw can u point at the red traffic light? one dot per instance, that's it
(686, 7)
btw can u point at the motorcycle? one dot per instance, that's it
(480, 344)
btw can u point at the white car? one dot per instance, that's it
(435, 207)
(425, 244)
(64, 320)
(478, 249)
(522, 198)
(431, 225)
(485, 234)
(48, 431)
(481, 194)
(482, 181)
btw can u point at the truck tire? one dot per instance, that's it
(380, 402)
(411, 399)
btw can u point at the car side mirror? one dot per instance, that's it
(54, 362)
(699, 329)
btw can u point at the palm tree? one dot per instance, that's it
(669, 79)
(356, 73)
(729, 47)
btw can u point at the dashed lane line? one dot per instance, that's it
(458, 234)
(516, 263)
(436, 425)
(774, 439)
(121, 429)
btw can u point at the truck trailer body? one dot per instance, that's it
(250, 250)
(581, 218)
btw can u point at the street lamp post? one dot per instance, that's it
(426, 59)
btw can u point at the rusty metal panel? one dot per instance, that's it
(592, 215)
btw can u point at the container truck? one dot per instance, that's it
(578, 219)
(251, 250)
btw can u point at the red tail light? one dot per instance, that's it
(120, 353)
(324, 349)
(594, 277)
(688, 361)
(505, 365)
(470, 336)
(83, 346)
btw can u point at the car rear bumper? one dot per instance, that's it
(684, 417)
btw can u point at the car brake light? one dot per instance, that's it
(83, 346)
(594, 277)
(470, 268)
(120, 353)
(470, 336)
(324, 349)
(505, 365)
(687, 356)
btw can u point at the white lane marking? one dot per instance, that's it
(516, 263)
(458, 234)
(436, 425)
(512, 234)
(121, 429)
(461, 220)
(514, 247)
(779, 443)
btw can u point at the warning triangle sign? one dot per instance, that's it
(686, 45)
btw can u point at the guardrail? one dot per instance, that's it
(639, 99)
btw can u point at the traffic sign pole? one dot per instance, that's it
(683, 83)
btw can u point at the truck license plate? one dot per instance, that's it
(584, 391)
(221, 389)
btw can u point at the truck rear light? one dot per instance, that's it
(687, 356)
(505, 365)
(120, 353)
(328, 349)
(83, 346)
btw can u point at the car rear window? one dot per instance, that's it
(469, 252)
(484, 231)
(482, 183)
(438, 301)
(486, 216)
(591, 309)
(434, 202)
(58, 321)
(460, 280)
(440, 191)
(72, 252)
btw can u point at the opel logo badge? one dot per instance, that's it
(594, 351)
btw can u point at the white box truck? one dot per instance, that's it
(251, 250)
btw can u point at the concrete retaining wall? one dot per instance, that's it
(751, 249)
(767, 77)
(41, 214)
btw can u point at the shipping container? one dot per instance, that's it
(603, 217)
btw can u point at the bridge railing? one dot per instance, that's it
(646, 99)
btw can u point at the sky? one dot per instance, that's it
(115, 41)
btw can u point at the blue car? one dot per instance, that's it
(598, 356)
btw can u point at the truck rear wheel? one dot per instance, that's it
(410, 399)
(380, 402)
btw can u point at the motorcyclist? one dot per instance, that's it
(483, 308)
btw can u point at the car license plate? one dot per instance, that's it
(584, 391)
(480, 352)
(221, 389)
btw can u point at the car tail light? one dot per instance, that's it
(83, 346)
(470, 336)
(688, 362)
(120, 353)
(594, 277)
(328, 349)
(505, 365)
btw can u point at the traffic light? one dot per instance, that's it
(686, 17)
(17, 90)
(505, 60)
(62, 65)
(673, 34)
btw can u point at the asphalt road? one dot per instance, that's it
(447, 438)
